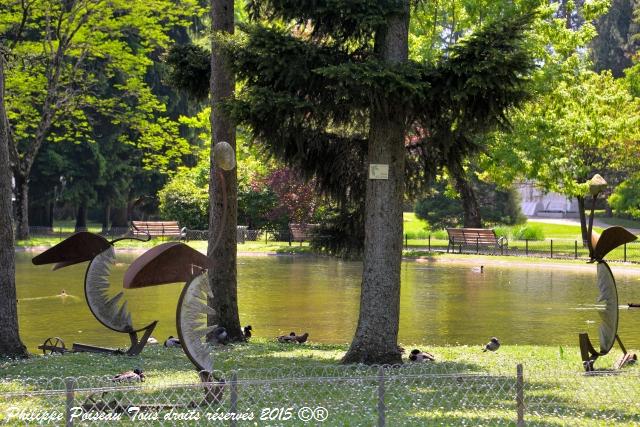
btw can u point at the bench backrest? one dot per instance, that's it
(472, 235)
(301, 232)
(156, 228)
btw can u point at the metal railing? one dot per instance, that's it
(414, 394)
(548, 248)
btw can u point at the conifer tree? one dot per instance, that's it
(328, 88)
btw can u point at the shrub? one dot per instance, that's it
(625, 200)
(185, 199)
(502, 231)
(440, 235)
(527, 232)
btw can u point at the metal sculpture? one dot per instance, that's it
(176, 262)
(599, 247)
(109, 311)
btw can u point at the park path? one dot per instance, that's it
(576, 221)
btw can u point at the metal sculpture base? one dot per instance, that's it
(590, 354)
(56, 345)
(213, 387)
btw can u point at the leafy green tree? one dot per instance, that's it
(625, 200)
(587, 124)
(56, 50)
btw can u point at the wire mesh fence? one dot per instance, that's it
(409, 395)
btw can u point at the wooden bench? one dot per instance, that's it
(475, 238)
(300, 232)
(158, 229)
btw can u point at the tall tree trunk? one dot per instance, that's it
(51, 212)
(22, 206)
(375, 340)
(472, 218)
(81, 217)
(106, 213)
(10, 343)
(223, 276)
(119, 217)
(583, 220)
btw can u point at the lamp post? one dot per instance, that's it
(596, 185)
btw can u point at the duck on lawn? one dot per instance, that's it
(293, 338)
(135, 375)
(421, 356)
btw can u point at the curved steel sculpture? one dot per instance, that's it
(599, 247)
(109, 311)
(176, 262)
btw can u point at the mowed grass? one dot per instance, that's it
(463, 387)
(413, 227)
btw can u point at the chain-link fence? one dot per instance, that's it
(410, 395)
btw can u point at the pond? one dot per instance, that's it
(440, 303)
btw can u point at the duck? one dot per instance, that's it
(301, 339)
(135, 375)
(492, 345)
(152, 340)
(421, 356)
(287, 338)
(478, 269)
(220, 335)
(63, 294)
(172, 342)
(247, 331)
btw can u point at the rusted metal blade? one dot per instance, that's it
(610, 239)
(79, 247)
(171, 262)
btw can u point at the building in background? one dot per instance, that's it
(537, 203)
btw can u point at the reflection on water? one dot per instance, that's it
(441, 304)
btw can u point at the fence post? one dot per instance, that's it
(70, 399)
(266, 236)
(430, 243)
(526, 247)
(520, 395)
(406, 242)
(477, 245)
(233, 398)
(625, 252)
(576, 249)
(382, 419)
(551, 248)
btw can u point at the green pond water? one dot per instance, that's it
(441, 304)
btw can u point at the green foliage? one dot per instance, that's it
(339, 19)
(190, 69)
(442, 208)
(439, 209)
(625, 200)
(340, 233)
(527, 232)
(587, 123)
(254, 205)
(186, 199)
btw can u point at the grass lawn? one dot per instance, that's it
(463, 387)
